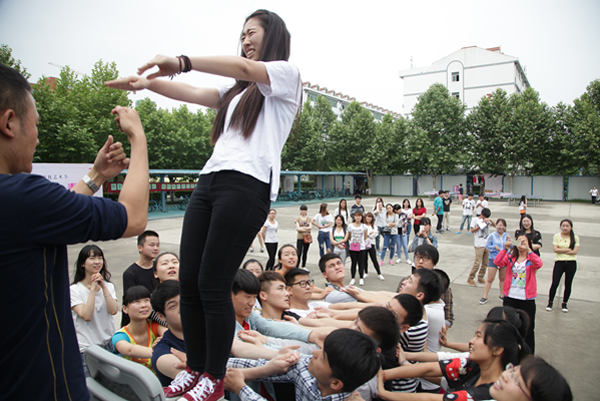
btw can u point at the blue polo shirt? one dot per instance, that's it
(39, 354)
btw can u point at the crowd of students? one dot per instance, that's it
(294, 340)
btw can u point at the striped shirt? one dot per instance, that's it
(412, 340)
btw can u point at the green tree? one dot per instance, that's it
(75, 115)
(586, 125)
(437, 142)
(7, 59)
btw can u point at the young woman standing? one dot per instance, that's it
(342, 210)
(93, 301)
(390, 233)
(357, 246)
(339, 238)
(526, 228)
(566, 246)
(253, 122)
(520, 287)
(269, 234)
(379, 214)
(304, 239)
(323, 221)
(419, 212)
(523, 206)
(371, 251)
(495, 244)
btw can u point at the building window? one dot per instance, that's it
(455, 77)
(456, 95)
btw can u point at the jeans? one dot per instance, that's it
(215, 237)
(465, 218)
(380, 234)
(302, 252)
(342, 252)
(391, 241)
(440, 218)
(272, 251)
(323, 239)
(568, 267)
(403, 245)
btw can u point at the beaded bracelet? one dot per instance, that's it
(187, 67)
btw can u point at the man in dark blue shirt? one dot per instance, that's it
(39, 355)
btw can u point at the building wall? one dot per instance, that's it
(579, 187)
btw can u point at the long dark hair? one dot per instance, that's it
(280, 252)
(345, 205)
(500, 333)
(419, 200)
(369, 214)
(343, 223)
(323, 209)
(275, 46)
(522, 229)
(404, 201)
(86, 252)
(571, 233)
(545, 382)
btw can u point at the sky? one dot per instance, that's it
(357, 48)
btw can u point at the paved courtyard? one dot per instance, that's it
(569, 341)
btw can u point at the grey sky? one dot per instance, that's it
(355, 48)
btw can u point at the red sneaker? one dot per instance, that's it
(183, 382)
(207, 389)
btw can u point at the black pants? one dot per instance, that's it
(272, 251)
(360, 258)
(440, 219)
(529, 307)
(372, 253)
(215, 237)
(302, 252)
(568, 267)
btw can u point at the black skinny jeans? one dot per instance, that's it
(567, 267)
(529, 307)
(372, 253)
(225, 212)
(360, 258)
(272, 251)
(302, 252)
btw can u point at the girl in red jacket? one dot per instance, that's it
(520, 285)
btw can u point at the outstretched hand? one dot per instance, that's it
(166, 66)
(131, 83)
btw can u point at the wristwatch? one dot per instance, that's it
(90, 183)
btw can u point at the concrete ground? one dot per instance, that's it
(569, 341)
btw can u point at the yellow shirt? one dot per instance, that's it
(563, 243)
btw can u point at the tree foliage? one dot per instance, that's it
(7, 59)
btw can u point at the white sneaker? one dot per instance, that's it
(366, 275)
(398, 260)
(381, 277)
(408, 262)
(352, 282)
(361, 282)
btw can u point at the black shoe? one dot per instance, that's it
(549, 307)
(564, 307)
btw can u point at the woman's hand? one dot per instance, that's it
(131, 83)
(166, 66)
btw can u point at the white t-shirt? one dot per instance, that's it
(481, 205)
(481, 235)
(379, 216)
(322, 220)
(518, 280)
(468, 206)
(435, 322)
(271, 231)
(311, 308)
(260, 155)
(345, 214)
(357, 235)
(102, 325)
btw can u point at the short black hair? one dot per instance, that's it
(134, 293)
(429, 284)
(266, 278)
(357, 197)
(470, 194)
(155, 261)
(290, 276)
(444, 279)
(303, 207)
(397, 207)
(425, 221)
(383, 323)
(326, 258)
(430, 251)
(246, 263)
(413, 308)
(441, 191)
(486, 212)
(13, 91)
(165, 291)
(245, 281)
(352, 357)
(141, 239)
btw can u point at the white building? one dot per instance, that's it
(339, 102)
(469, 74)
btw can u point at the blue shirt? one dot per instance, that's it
(163, 347)
(494, 240)
(40, 219)
(438, 204)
